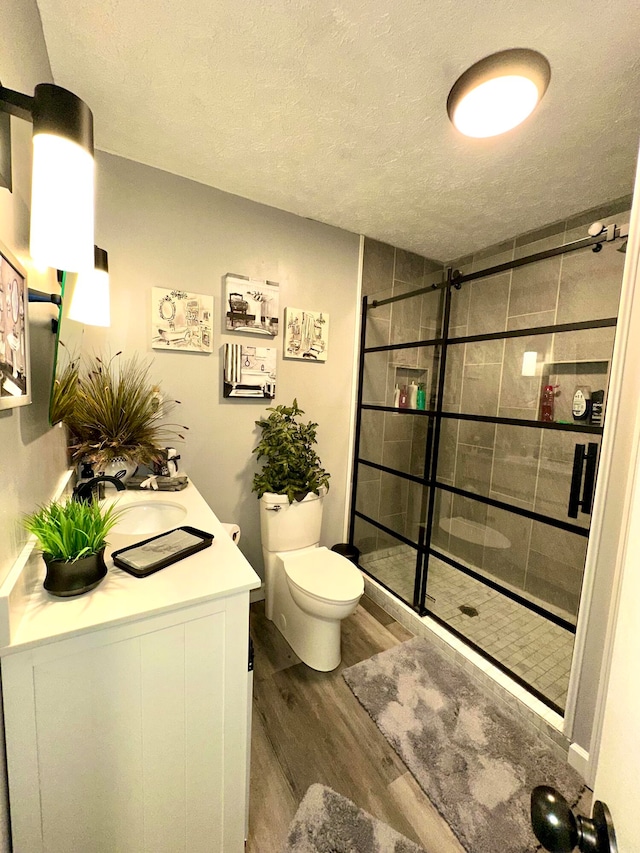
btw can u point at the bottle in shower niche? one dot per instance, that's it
(597, 406)
(421, 397)
(547, 403)
(403, 399)
(396, 396)
(581, 406)
(413, 396)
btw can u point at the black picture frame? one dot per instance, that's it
(15, 363)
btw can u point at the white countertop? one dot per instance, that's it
(33, 616)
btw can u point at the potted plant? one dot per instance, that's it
(291, 466)
(72, 537)
(114, 419)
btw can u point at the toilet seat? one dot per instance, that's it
(323, 574)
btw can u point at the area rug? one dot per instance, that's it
(326, 822)
(476, 762)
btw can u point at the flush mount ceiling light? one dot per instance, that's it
(498, 92)
(90, 300)
(62, 194)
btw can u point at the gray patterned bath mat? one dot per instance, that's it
(328, 823)
(476, 762)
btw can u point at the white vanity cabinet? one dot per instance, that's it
(132, 737)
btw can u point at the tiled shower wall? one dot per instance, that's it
(528, 468)
(389, 439)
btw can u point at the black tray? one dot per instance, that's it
(162, 554)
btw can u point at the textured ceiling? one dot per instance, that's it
(335, 109)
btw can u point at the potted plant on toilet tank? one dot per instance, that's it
(286, 449)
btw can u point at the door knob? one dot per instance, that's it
(560, 831)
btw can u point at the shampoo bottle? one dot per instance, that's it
(413, 396)
(403, 401)
(421, 400)
(547, 403)
(396, 396)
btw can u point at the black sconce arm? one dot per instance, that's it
(37, 296)
(16, 104)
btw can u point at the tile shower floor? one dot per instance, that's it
(533, 648)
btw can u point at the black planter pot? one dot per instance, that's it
(66, 579)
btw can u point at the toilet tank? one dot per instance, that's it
(289, 527)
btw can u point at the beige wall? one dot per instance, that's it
(32, 456)
(164, 231)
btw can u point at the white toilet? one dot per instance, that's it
(309, 590)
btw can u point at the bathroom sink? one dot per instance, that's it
(149, 517)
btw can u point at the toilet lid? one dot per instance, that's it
(325, 574)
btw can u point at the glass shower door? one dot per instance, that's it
(399, 370)
(516, 473)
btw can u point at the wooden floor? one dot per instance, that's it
(308, 727)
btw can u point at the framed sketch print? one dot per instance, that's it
(181, 320)
(249, 371)
(251, 305)
(306, 334)
(15, 379)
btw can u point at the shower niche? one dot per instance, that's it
(567, 376)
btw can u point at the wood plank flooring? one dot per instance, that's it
(308, 727)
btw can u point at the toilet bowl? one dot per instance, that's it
(314, 589)
(309, 590)
(321, 584)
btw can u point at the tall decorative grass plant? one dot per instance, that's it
(115, 413)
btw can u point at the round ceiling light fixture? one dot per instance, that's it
(498, 92)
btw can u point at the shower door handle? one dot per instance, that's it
(588, 486)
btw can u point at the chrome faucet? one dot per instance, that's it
(85, 492)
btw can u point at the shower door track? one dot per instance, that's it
(611, 233)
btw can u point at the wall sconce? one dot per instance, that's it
(498, 92)
(90, 299)
(62, 194)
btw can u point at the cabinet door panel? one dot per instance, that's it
(206, 735)
(163, 739)
(88, 720)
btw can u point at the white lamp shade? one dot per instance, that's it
(62, 204)
(90, 299)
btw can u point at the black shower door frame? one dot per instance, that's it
(437, 415)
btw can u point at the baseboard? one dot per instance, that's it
(578, 758)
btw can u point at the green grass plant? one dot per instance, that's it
(72, 530)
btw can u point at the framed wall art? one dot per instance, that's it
(306, 334)
(249, 371)
(15, 378)
(251, 305)
(181, 320)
